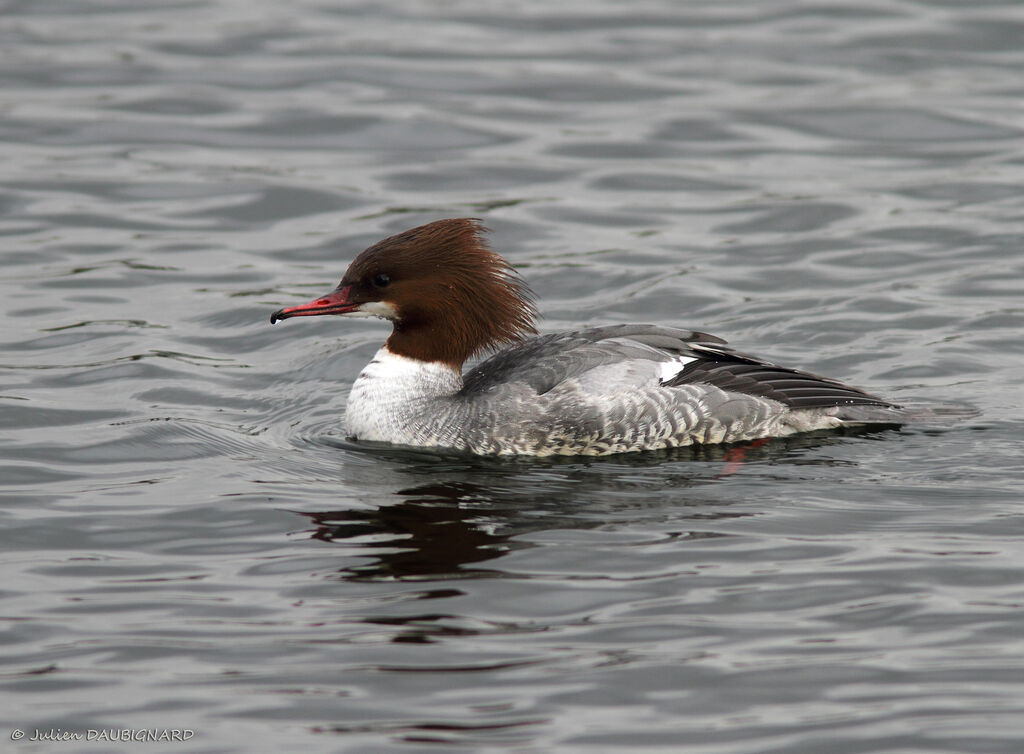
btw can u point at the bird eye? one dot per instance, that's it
(380, 280)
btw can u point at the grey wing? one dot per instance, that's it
(543, 363)
(547, 361)
(635, 387)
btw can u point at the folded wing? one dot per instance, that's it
(678, 357)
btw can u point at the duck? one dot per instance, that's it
(589, 392)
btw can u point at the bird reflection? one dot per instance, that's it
(438, 529)
(459, 513)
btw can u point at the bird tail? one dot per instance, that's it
(934, 414)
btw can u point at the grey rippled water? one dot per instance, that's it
(189, 544)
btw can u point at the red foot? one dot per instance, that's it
(735, 457)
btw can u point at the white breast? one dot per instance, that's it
(390, 391)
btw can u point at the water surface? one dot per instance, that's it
(190, 543)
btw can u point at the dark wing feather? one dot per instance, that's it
(749, 375)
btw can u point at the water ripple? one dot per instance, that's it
(190, 538)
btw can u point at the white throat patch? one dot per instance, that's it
(382, 309)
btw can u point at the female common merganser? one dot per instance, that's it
(592, 392)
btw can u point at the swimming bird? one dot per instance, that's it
(594, 391)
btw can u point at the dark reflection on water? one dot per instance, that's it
(443, 528)
(436, 531)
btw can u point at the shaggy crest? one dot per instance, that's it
(453, 297)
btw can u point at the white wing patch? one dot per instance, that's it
(708, 347)
(669, 369)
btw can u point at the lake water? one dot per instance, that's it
(189, 544)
